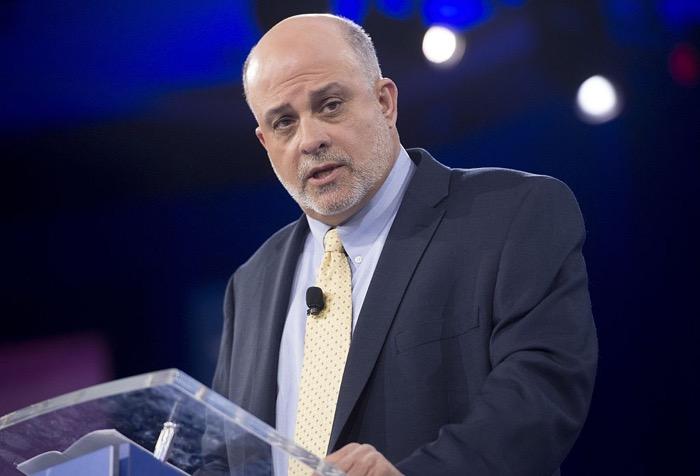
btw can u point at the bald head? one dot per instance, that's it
(326, 117)
(312, 34)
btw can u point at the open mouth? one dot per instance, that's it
(323, 173)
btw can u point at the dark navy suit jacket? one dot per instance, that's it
(475, 350)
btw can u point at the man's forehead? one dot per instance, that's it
(299, 55)
(273, 85)
(271, 79)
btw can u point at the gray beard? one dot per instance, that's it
(305, 200)
(361, 180)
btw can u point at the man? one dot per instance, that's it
(468, 344)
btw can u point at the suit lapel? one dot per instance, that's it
(278, 280)
(420, 213)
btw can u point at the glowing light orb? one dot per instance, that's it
(598, 101)
(441, 45)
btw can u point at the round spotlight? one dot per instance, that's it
(442, 46)
(597, 100)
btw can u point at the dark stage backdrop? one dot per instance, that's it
(134, 186)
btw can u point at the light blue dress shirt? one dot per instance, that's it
(363, 238)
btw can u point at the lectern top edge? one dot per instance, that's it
(137, 382)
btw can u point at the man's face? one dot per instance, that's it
(325, 128)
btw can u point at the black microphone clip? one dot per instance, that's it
(314, 301)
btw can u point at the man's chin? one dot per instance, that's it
(332, 210)
(330, 206)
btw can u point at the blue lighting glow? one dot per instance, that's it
(397, 9)
(460, 14)
(625, 8)
(680, 13)
(630, 22)
(355, 10)
(90, 61)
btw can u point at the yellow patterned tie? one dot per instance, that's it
(326, 344)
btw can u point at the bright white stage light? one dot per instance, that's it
(442, 46)
(597, 100)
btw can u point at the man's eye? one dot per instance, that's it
(332, 106)
(282, 123)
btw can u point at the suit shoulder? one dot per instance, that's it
(269, 249)
(505, 193)
(492, 179)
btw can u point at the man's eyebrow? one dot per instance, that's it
(330, 88)
(315, 97)
(275, 111)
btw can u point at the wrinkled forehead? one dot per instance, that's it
(272, 76)
(285, 61)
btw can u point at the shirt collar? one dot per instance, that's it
(362, 229)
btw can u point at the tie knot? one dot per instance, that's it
(331, 242)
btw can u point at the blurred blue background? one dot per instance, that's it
(134, 184)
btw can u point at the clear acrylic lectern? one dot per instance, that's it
(166, 417)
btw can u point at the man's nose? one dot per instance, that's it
(314, 137)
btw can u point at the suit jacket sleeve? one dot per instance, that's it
(214, 451)
(226, 448)
(543, 351)
(220, 381)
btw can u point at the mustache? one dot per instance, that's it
(314, 160)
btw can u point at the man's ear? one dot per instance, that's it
(261, 137)
(388, 95)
